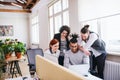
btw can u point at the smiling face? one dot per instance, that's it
(74, 47)
(64, 33)
(84, 36)
(54, 47)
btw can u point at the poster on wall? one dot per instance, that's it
(6, 30)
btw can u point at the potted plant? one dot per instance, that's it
(8, 49)
(19, 49)
(1, 43)
(2, 63)
(1, 49)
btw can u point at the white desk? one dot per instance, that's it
(21, 78)
(83, 70)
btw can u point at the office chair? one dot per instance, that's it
(31, 53)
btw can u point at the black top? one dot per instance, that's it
(58, 37)
(99, 45)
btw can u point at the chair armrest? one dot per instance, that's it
(30, 65)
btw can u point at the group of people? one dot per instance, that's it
(72, 51)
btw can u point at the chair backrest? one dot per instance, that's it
(31, 53)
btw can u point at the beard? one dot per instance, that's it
(74, 51)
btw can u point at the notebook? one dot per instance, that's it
(51, 57)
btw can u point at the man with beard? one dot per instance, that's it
(74, 56)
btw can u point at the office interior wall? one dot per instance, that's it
(73, 14)
(20, 25)
(42, 10)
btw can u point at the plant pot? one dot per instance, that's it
(2, 78)
(18, 54)
(7, 56)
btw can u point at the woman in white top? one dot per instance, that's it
(53, 49)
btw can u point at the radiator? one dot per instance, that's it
(112, 71)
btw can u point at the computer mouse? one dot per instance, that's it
(86, 75)
(24, 78)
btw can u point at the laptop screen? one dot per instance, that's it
(51, 57)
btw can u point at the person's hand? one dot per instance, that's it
(84, 50)
(87, 52)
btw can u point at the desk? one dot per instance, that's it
(14, 65)
(21, 78)
(83, 70)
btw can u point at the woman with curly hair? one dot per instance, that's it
(62, 37)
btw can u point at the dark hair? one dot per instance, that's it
(66, 28)
(74, 38)
(53, 41)
(85, 29)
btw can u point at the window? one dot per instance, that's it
(58, 16)
(35, 30)
(108, 30)
(66, 18)
(57, 7)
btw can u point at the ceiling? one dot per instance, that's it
(20, 5)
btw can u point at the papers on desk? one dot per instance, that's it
(83, 70)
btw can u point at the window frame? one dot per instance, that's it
(56, 29)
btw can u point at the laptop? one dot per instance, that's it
(81, 69)
(51, 57)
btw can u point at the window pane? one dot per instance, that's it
(65, 4)
(35, 34)
(51, 28)
(65, 18)
(110, 32)
(57, 7)
(35, 20)
(50, 10)
(35, 30)
(58, 23)
(33, 37)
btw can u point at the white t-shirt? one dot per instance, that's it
(92, 38)
(74, 58)
(55, 54)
